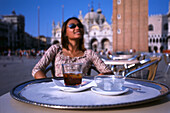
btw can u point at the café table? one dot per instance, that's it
(121, 62)
(10, 105)
(121, 57)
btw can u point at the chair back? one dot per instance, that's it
(142, 62)
(166, 58)
(167, 62)
(135, 57)
(92, 68)
(135, 66)
(152, 68)
(50, 68)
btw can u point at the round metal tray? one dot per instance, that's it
(15, 93)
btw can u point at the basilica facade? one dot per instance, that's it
(97, 31)
(99, 35)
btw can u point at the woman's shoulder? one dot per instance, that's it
(55, 47)
(88, 50)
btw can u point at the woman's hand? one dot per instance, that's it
(39, 75)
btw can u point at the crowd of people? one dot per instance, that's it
(28, 53)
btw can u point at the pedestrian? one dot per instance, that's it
(9, 52)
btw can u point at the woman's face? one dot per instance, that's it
(74, 30)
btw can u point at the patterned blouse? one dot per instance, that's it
(89, 58)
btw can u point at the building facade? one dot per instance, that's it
(131, 28)
(14, 37)
(97, 35)
(12, 29)
(130, 21)
(159, 32)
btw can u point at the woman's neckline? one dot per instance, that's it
(67, 54)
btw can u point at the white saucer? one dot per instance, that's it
(59, 84)
(109, 93)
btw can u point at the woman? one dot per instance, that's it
(72, 51)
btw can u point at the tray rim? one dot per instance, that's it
(15, 96)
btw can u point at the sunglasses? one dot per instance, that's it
(72, 26)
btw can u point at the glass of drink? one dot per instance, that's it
(110, 82)
(72, 73)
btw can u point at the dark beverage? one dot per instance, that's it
(72, 79)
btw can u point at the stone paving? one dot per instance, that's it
(14, 71)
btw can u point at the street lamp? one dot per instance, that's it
(38, 27)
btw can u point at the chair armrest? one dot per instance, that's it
(141, 68)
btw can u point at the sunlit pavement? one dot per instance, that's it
(15, 70)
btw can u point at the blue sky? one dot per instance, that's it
(52, 10)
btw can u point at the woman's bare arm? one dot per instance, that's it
(39, 75)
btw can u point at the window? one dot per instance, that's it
(150, 27)
(118, 2)
(118, 16)
(165, 26)
(150, 40)
(156, 40)
(94, 33)
(118, 31)
(160, 40)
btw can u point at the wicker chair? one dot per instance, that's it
(167, 62)
(151, 65)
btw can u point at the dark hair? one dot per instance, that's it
(64, 38)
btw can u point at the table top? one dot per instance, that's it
(43, 92)
(9, 105)
(121, 62)
(121, 57)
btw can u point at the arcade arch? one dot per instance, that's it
(105, 44)
(94, 44)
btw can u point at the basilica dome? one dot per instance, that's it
(93, 16)
(101, 16)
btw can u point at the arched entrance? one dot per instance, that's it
(94, 44)
(161, 49)
(105, 44)
(150, 50)
(155, 49)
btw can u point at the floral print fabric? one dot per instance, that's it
(89, 58)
